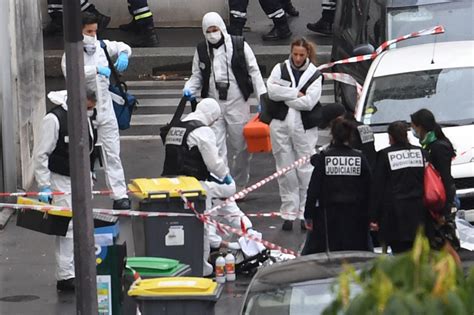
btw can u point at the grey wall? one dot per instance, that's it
(22, 84)
(173, 13)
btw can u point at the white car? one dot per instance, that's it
(436, 76)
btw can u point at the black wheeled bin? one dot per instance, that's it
(175, 237)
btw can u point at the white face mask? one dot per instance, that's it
(89, 44)
(214, 37)
(90, 112)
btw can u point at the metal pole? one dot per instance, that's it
(83, 227)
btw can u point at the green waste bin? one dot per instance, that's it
(150, 267)
(181, 295)
(177, 237)
(110, 259)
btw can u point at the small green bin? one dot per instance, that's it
(150, 267)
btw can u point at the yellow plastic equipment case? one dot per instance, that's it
(175, 237)
(179, 295)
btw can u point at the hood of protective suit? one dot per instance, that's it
(58, 98)
(207, 112)
(213, 19)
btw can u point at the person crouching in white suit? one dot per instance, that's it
(191, 150)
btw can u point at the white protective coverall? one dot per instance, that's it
(235, 110)
(44, 177)
(290, 141)
(208, 112)
(107, 128)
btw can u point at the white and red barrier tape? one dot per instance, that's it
(429, 31)
(240, 232)
(132, 213)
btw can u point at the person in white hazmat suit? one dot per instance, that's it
(225, 69)
(289, 137)
(97, 73)
(52, 174)
(191, 150)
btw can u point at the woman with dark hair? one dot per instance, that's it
(440, 154)
(336, 212)
(396, 206)
(295, 85)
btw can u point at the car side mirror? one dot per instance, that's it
(363, 49)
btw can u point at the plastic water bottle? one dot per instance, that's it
(230, 267)
(220, 269)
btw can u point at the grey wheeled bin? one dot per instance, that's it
(179, 237)
(172, 296)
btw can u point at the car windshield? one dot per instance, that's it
(456, 17)
(448, 93)
(310, 297)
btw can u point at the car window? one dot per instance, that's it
(310, 297)
(456, 17)
(448, 93)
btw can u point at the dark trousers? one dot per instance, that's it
(141, 12)
(55, 7)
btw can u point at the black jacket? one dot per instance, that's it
(397, 192)
(337, 197)
(441, 154)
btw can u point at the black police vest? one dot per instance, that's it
(58, 161)
(179, 159)
(343, 169)
(280, 109)
(239, 67)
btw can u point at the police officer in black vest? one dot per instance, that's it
(362, 137)
(336, 212)
(52, 174)
(396, 206)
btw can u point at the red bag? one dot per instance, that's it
(434, 197)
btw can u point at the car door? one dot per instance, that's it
(349, 30)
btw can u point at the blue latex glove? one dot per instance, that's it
(228, 179)
(122, 62)
(105, 71)
(45, 198)
(188, 94)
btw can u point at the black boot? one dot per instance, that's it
(130, 27)
(287, 225)
(280, 30)
(147, 38)
(291, 10)
(321, 27)
(236, 26)
(122, 204)
(67, 285)
(103, 20)
(55, 27)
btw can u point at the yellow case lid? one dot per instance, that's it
(173, 286)
(165, 187)
(34, 202)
